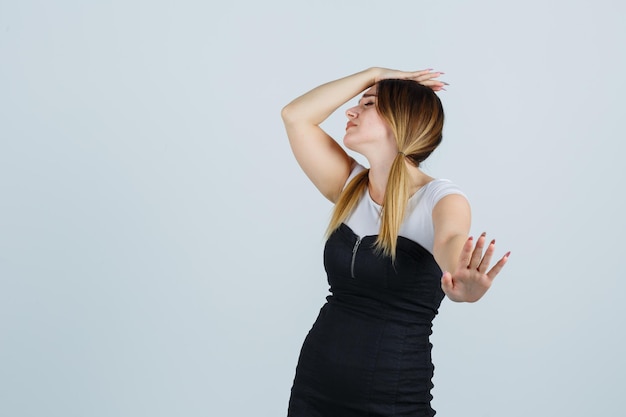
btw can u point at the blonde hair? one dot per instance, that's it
(415, 115)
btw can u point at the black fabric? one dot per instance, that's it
(368, 352)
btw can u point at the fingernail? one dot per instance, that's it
(443, 82)
(507, 254)
(493, 242)
(470, 238)
(483, 234)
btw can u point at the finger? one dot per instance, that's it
(498, 267)
(484, 263)
(446, 282)
(435, 85)
(428, 76)
(433, 82)
(478, 252)
(422, 72)
(414, 75)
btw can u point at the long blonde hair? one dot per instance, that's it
(415, 116)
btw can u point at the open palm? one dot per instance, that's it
(471, 280)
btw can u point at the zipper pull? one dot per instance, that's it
(354, 250)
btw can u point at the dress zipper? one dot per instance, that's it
(354, 249)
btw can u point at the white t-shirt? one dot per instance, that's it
(418, 220)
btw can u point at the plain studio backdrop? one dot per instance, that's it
(161, 251)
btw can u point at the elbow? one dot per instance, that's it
(294, 114)
(287, 113)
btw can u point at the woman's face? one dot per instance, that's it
(365, 128)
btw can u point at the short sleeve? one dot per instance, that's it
(439, 189)
(355, 170)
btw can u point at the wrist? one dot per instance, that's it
(374, 74)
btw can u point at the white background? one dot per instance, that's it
(161, 251)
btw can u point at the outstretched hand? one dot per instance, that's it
(471, 280)
(426, 77)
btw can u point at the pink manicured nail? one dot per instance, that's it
(470, 238)
(493, 242)
(507, 254)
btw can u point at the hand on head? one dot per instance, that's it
(427, 77)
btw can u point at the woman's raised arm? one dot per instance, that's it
(321, 158)
(467, 276)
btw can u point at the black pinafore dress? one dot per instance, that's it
(368, 353)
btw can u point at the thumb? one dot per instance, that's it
(446, 282)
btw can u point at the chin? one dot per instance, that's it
(349, 143)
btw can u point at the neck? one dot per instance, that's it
(379, 175)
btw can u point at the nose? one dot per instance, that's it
(352, 112)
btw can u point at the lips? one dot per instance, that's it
(349, 125)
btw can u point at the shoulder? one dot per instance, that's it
(451, 212)
(437, 190)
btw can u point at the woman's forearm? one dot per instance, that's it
(316, 105)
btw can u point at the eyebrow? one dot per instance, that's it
(367, 95)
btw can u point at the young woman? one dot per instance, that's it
(397, 243)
